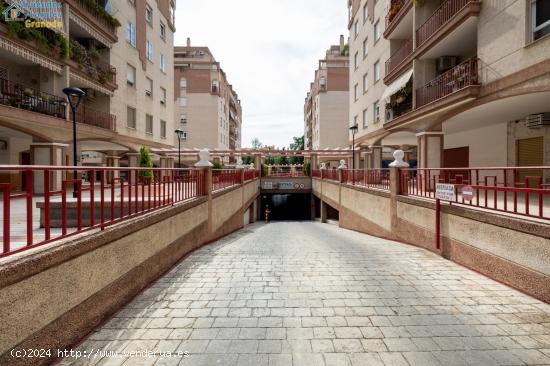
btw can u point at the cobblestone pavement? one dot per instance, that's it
(304, 293)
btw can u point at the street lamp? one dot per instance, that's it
(179, 133)
(74, 95)
(353, 130)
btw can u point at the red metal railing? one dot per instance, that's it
(23, 97)
(371, 178)
(225, 178)
(251, 175)
(286, 171)
(89, 116)
(316, 173)
(459, 77)
(104, 196)
(399, 56)
(514, 190)
(330, 174)
(395, 8)
(441, 16)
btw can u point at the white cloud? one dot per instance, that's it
(269, 50)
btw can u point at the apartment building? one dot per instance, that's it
(93, 50)
(455, 83)
(326, 105)
(206, 107)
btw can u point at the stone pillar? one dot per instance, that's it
(166, 162)
(48, 154)
(258, 161)
(133, 162)
(114, 162)
(314, 161)
(430, 149)
(324, 212)
(208, 190)
(376, 157)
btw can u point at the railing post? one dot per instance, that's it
(395, 174)
(208, 191)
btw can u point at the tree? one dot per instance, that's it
(256, 143)
(145, 161)
(297, 144)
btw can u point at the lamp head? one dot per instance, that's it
(179, 133)
(74, 95)
(354, 128)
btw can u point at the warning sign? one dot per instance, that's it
(467, 193)
(445, 192)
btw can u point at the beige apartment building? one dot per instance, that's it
(326, 112)
(206, 107)
(110, 57)
(455, 83)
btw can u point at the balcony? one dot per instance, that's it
(43, 40)
(89, 63)
(22, 97)
(450, 82)
(398, 60)
(445, 19)
(92, 117)
(104, 21)
(399, 9)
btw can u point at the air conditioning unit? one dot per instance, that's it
(537, 120)
(183, 120)
(90, 94)
(184, 136)
(445, 63)
(148, 93)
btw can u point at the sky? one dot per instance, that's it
(269, 50)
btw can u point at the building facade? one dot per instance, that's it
(441, 79)
(93, 50)
(206, 107)
(326, 105)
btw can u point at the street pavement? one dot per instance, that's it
(305, 293)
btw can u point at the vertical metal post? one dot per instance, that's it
(438, 224)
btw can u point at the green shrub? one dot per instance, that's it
(306, 169)
(145, 161)
(217, 165)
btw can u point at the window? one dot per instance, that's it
(183, 119)
(173, 12)
(149, 51)
(130, 117)
(356, 29)
(365, 83)
(377, 31)
(376, 71)
(149, 14)
(149, 124)
(365, 12)
(376, 111)
(162, 63)
(215, 86)
(183, 83)
(322, 83)
(183, 101)
(162, 129)
(355, 120)
(162, 96)
(356, 91)
(365, 118)
(130, 75)
(365, 47)
(131, 33)
(162, 31)
(540, 18)
(148, 86)
(356, 60)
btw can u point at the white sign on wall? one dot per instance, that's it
(445, 192)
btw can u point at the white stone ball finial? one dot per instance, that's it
(251, 166)
(204, 156)
(398, 155)
(240, 163)
(323, 166)
(343, 164)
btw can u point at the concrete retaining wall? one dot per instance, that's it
(52, 296)
(511, 250)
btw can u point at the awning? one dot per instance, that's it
(397, 84)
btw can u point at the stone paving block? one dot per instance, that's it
(365, 359)
(348, 345)
(280, 360)
(308, 359)
(322, 346)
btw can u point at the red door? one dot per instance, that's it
(457, 158)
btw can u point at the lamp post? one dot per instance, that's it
(179, 133)
(353, 130)
(74, 96)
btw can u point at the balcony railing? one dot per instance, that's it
(441, 16)
(100, 15)
(96, 118)
(89, 63)
(20, 96)
(399, 56)
(399, 110)
(396, 7)
(458, 78)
